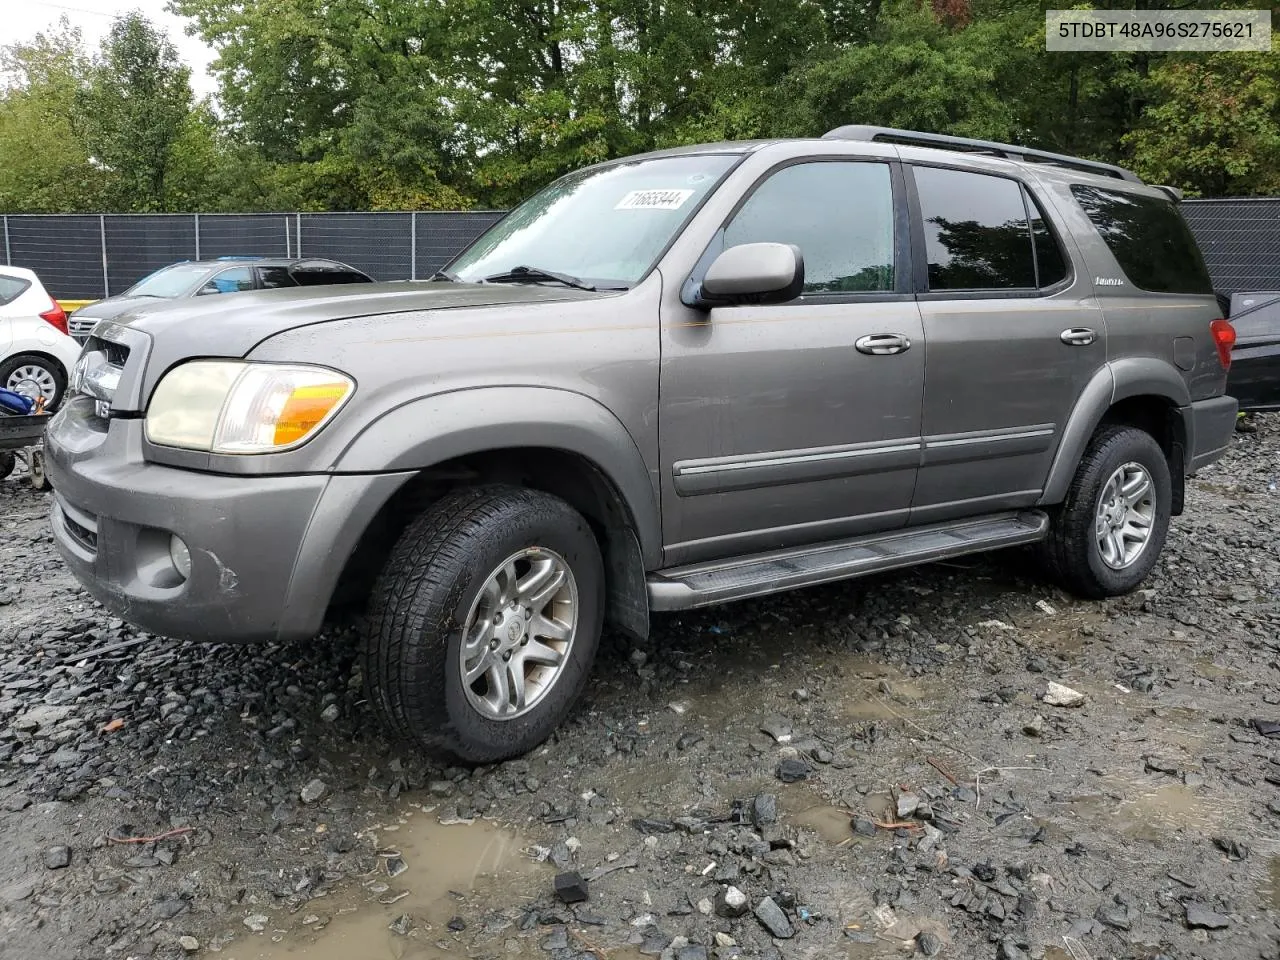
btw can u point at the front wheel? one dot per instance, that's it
(484, 623)
(34, 376)
(1107, 535)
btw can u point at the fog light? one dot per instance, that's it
(180, 556)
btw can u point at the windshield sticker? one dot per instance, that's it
(654, 200)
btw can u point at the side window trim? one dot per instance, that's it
(902, 248)
(920, 257)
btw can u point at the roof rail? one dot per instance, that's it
(967, 145)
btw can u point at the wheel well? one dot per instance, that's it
(40, 354)
(1159, 417)
(571, 477)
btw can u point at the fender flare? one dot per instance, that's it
(431, 430)
(1114, 381)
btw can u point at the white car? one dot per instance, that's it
(36, 355)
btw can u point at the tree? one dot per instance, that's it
(44, 166)
(1214, 126)
(135, 109)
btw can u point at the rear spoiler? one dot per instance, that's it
(1173, 193)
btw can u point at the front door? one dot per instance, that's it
(1014, 335)
(785, 424)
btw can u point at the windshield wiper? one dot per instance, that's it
(524, 274)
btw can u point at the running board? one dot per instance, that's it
(704, 584)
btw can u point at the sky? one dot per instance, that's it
(25, 18)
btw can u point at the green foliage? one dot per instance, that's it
(383, 104)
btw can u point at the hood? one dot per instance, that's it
(115, 307)
(233, 326)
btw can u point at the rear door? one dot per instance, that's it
(782, 424)
(1013, 335)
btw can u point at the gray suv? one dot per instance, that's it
(663, 382)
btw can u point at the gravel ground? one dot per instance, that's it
(865, 770)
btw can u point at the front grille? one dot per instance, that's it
(81, 327)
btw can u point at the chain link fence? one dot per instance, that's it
(86, 257)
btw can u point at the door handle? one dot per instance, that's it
(882, 344)
(1078, 337)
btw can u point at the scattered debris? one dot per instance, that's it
(570, 887)
(1062, 696)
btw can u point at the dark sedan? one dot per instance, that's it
(201, 278)
(1255, 362)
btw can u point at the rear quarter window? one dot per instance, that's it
(1149, 239)
(11, 288)
(323, 276)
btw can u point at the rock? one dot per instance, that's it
(314, 791)
(932, 837)
(457, 924)
(55, 858)
(764, 809)
(1200, 917)
(692, 951)
(1268, 728)
(863, 826)
(189, 944)
(908, 803)
(731, 903)
(17, 803)
(1034, 726)
(401, 925)
(1062, 696)
(1008, 950)
(1114, 915)
(778, 728)
(647, 825)
(1234, 849)
(774, 920)
(1045, 607)
(928, 944)
(724, 940)
(557, 940)
(1158, 765)
(705, 906)
(257, 922)
(330, 713)
(792, 770)
(570, 887)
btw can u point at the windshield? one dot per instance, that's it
(604, 225)
(168, 283)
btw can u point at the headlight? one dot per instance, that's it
(226, 406)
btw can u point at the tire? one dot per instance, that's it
(426, 595)
(52, 375)
(7, 463)
(1073, 553)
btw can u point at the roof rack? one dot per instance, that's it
(967, 145)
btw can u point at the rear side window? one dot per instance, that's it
(11, 288)
(985, 233)
(321, 276)
(1149, 239)
(274, 277)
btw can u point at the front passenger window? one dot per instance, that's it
(840, 215)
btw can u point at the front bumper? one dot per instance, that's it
(266, 551)
(1209, 426)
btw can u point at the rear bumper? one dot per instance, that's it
(266, 552)
(1210, 425)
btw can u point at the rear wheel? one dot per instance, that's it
(484, 623)
(34, 376)
(1107, 535)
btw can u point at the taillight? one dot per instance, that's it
(55, 316)
(1224, 338)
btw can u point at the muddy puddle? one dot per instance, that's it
(429, 875)
(1153, 813)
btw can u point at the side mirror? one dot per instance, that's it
(753, 273)
(207, 289)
